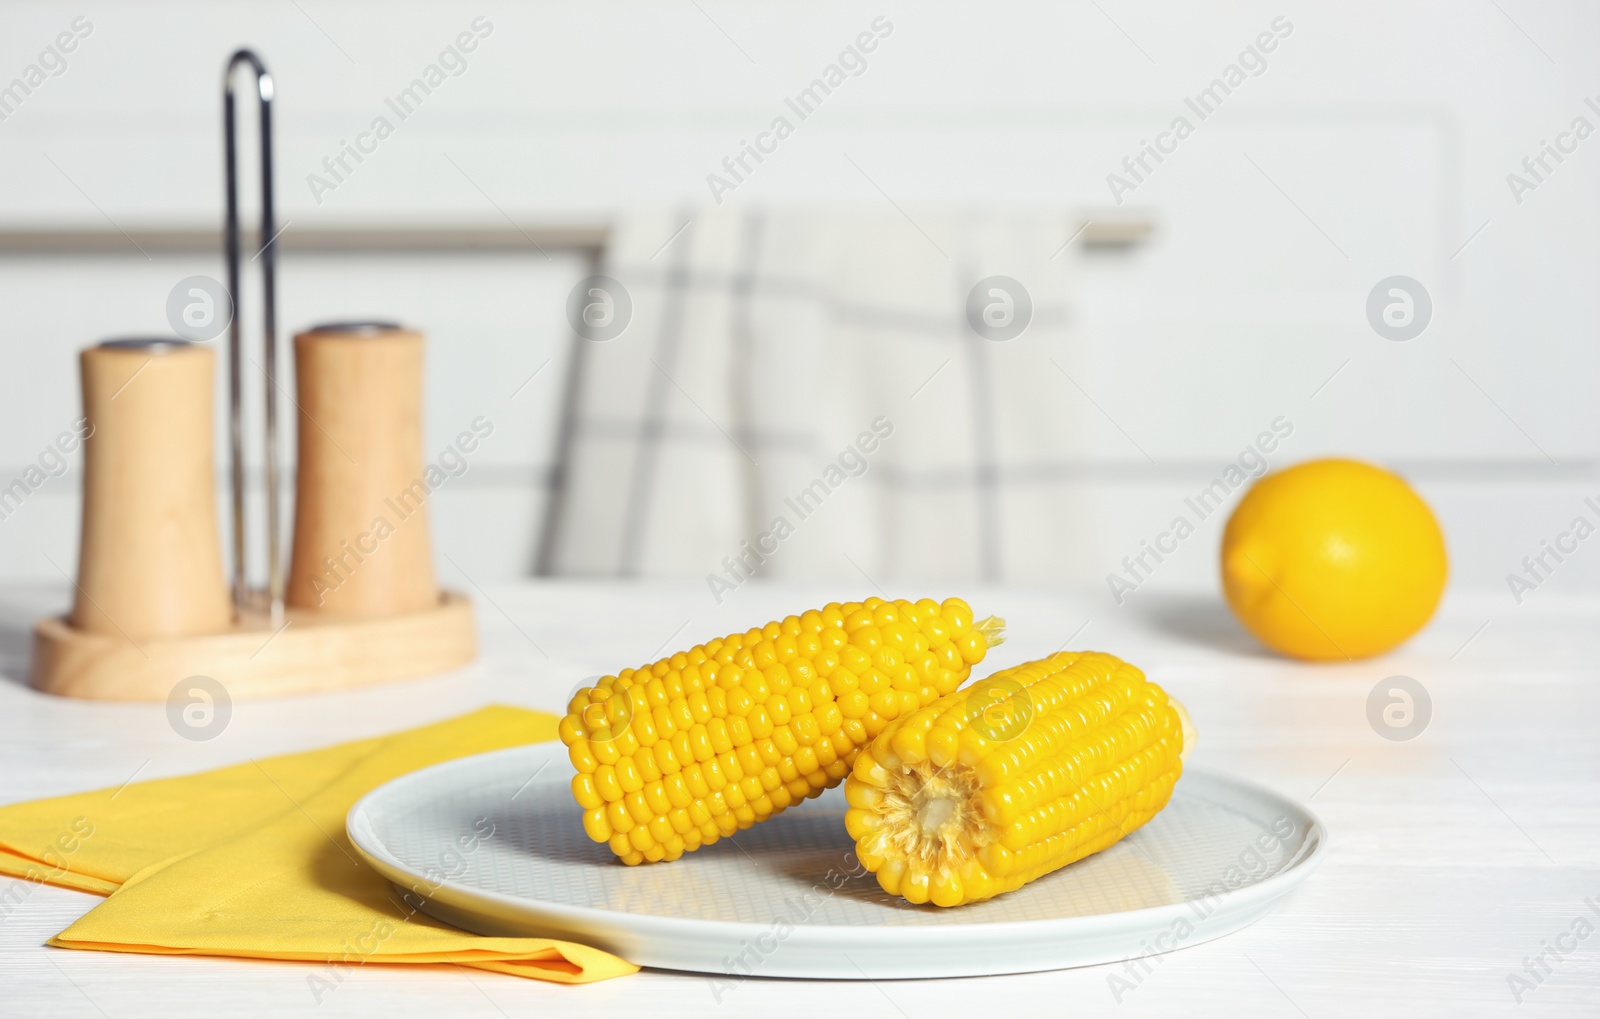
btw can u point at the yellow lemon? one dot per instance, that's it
(1333, 560)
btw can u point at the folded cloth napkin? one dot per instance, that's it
(253, 861)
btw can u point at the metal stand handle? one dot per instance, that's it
(269, 313)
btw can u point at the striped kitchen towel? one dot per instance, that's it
(832, 395)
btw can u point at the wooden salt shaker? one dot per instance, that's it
(150, 558)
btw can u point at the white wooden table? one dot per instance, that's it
(1454, 854)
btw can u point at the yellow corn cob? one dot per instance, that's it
(1014, 777)
(674, 755)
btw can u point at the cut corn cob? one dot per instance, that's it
(673, 756)
(1014, 777)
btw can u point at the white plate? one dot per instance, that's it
(495, 844)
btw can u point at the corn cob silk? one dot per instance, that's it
(1018, 775)
(679, 753)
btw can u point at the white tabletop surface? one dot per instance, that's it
(1454, 854)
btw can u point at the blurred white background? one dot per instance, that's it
(1376, 142)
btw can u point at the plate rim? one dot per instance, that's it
(1299, 867)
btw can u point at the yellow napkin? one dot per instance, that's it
(253, 861)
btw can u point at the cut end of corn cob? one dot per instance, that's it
(677, 754)
(1186, 724)
(993, 629)
(1021, 774)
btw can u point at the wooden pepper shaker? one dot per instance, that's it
(361, 543)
